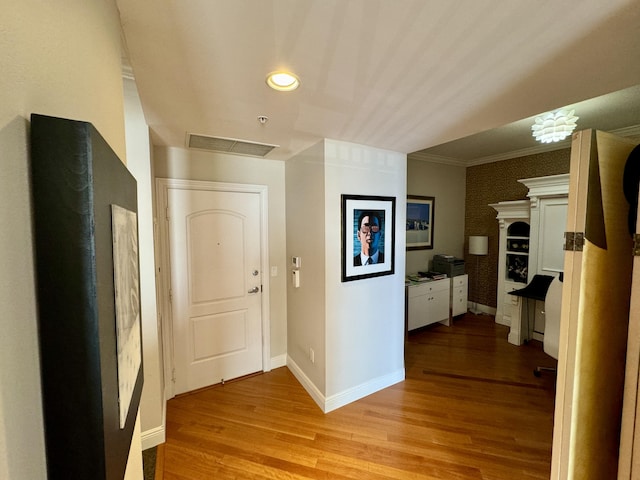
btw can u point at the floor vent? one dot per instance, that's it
(228, 145)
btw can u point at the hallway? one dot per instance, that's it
(470, 408)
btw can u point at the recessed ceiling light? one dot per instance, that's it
(283, 81)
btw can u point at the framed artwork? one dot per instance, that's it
(89, 324)
(420, 222)
(368, 236)
(127, 298)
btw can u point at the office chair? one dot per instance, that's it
(552, 309)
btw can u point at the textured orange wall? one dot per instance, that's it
(492, 183)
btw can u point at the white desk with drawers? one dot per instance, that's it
(435, 301)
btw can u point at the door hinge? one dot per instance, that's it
(166, 213)
(636, 244)
(173, 375)
(573, 241)
(170, 296)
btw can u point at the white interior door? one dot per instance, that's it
(216, 285)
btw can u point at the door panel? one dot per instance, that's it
(595, 312)
(217, 267)
(216, 285)
(553, 218)
(218, 335)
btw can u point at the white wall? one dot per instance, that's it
(447, 183)
(357, 327)
(60, 59)
(181, 163)
(152, 404)
(364, 318)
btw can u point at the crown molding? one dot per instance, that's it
(425, 157)
(524, 152)
(127, 72)
(631, 131)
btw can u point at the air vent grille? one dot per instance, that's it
(228, 145)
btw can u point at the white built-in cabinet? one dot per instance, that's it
(513, 261)
(531, 242)
(428, 302)
(548, 200)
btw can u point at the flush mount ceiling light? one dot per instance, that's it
(553, 127)
(283, 81)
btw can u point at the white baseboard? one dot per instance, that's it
(538, 336)
(279, 361)
(480, 309)
(360, 391)
(153, 437)
(328, 404)
(306, 382)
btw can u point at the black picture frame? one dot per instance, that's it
(76, 178)
(420, 222)
(354, 208)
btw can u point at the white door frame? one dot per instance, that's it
(163, 265)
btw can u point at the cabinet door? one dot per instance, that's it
(553, 218)
(418, 305)
(439, 301)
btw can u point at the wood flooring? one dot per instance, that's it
(470, 408)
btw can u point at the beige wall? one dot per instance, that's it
(305, 239)
(152, 404)
(185, 164)
(60, 59)
(447, 184)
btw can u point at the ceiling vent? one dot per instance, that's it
(228, 145)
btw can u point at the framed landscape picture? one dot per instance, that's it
(420, 215)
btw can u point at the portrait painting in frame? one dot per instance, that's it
(368, 241)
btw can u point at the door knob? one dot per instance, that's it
(254, 290)
(255, 273)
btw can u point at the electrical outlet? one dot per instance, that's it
(312, 355)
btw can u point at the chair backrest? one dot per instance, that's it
(552, 308)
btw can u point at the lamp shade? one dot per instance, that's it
(554, 127)
(478, 245)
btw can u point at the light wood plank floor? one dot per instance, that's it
(470, 408)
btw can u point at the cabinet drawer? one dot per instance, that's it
(427, 288)
(416, 291)
(457, 292)
(459, 306)
(459, 281)
(439, 285)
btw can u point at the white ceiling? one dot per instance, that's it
(403, 75)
